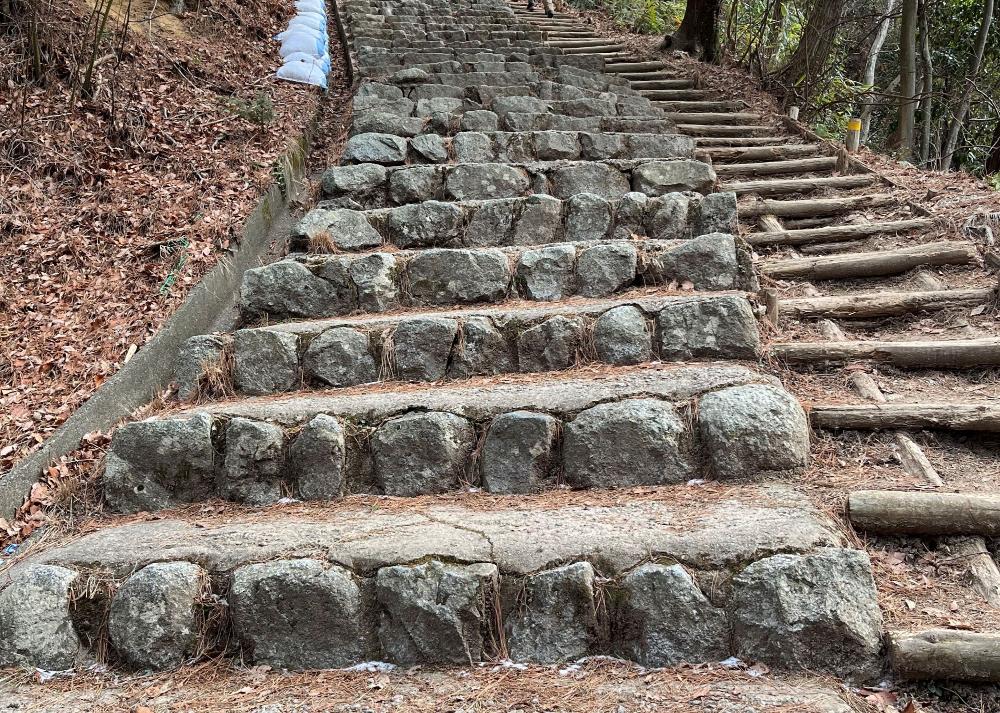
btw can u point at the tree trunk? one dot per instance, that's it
(946, 655)
(993, 160)
(908, 74)
(804, 71)
(927, 86)
(773, 38)
(958, 120)
(871, 65)
(698, 33)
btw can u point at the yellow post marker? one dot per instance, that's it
(853, 135)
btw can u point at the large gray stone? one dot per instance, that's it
(298, 614)
(588, 218)
(480, 120)
(421, 347)
(265, 362)
(420, 453)
(632, 442)
(554, 619)
(709, 262)
(384, 149)
(379, 91)
(546, 273)
(438, 105)
(160, 463)
(430, 148)
(254, 462)
(667, 620)
(374, 277)
(621, 336)
(481, 350)
(36, 629)
(753, 431)
(717, 214)
(200, 364)
(816, 611)
(602, 270)
(519, 452)
(473, 147)
(441, 276)
(659, 177)
(708, 328)
(491, 223)
(434, 612)
(414, 184)
(540, 221)
(156, 617)
(360, 179)
(600, 146)
(555, 145)
(554, 344)
(381, 122)
(479, 181)
(340, 356)
(670, 219)
(317, 457)
(340, 228)
(597, 178)
(286, 288)
(630, 217)
(427, 224)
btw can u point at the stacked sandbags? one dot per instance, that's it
(305, 46)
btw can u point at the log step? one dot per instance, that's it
(698, 106)
(739, 141)
(946, 654)
(945, 416)
(670, 83)
(883, 304)
(573, 43)
(632, 67)
(813, 206)
(873, 264)
(689, 94)
(835, 232)
(594, 49)
(916, 513)
(799, 185)
(943, 354)
(716, 130)
(765, 168)
(714, 118)
(643, 76)
(763, 153)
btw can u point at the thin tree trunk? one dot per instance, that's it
(772, 40)
(993, 160)
(698, 33)
(927, 88)
(908, 73)
(804, 71)
(871, 65)
(958, 120)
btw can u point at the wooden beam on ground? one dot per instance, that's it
(947, 655)
(899, 512)
(770, 222)
(980, 565)
(834, 232)
(717, 130)
(763, 153)
(873, 264)
(715, 118)
(768, 168)
(830, 248)
(942, 354)
(947, 416)
(797, 185)
(873, 305)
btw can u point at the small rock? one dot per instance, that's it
(519, 452)
(254, 462)
(588, 218)
(317, 457)
(426, 224)
(480, 120)
(555, 619)
(410, 75)
(346, 180)
(546, 273)
(414, 184)
(201, 364)
(421, 347)
(540, 221)
(383, 149)
(422, 453)
(430, 148)
(555, 145)
(717, 214)
(621, 336)
(265, 361)
(671, 217)
(481, 350)
(374, 277)
(602, 270)
(552, 345)
(340, 356)
(36, 629)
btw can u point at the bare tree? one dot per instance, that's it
(927, 85)
(908, 78)
(958, 119)
(872, 64)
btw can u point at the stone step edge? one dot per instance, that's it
(418, 347)
(312, 286)
(298, 606)
(524, 221)
(643, 427)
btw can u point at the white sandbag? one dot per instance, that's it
(323, 60)
(303, 72)
(298, 42)
(311, 6)
(310, 20)
(295, 30)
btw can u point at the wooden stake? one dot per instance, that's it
(982, 568)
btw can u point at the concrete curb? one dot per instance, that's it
(152, 367)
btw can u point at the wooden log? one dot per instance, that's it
(739, 140)
(798, 185)
(980, 565)
(921, 513)
(715, 118)
(678, 95)
(944, 354)
(811, 207)
(763, 153)
(834, 232)
(696, 105)
(724, 130)
(830, 248)
(768, 168)
(947, 416)
(641, 84)
(873, 264)
(872, 305)
(619, 67)
(770, 222)
(946, 654)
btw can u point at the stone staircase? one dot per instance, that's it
(503, 352)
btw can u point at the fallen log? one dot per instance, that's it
(808, 208)
(873, 264)
(830, 248)
(835, 232)
(981, 566)
(947, 655)
(884, 304)
(764, 153)
(921, 513)
(706, 141)
(713, 118)
(945, 416)
(766, 168)
(798, 185)
(724, 130)
(945, 354)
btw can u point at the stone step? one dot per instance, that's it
(433, 346)
(762, 576)
(368, 185)
(533, 220)
(638, 426)
(512, 147)
(332, 285)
